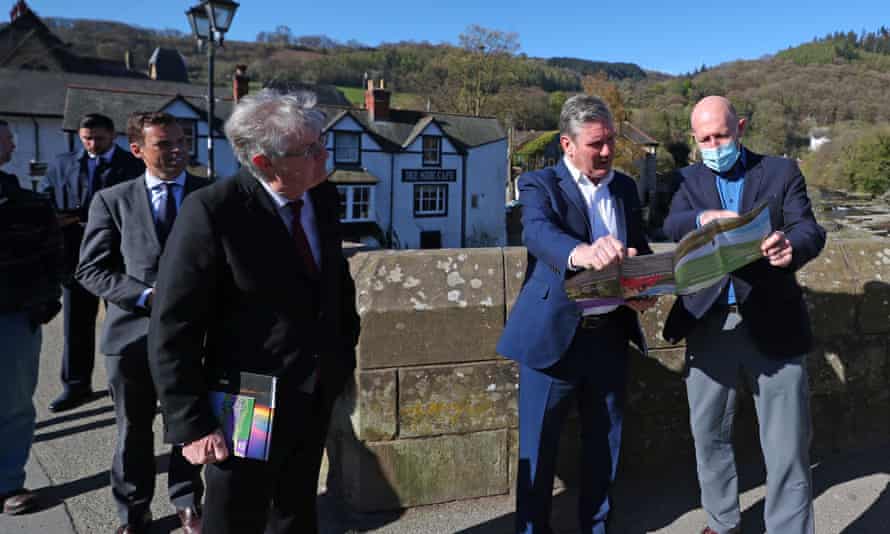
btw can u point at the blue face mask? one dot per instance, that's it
(721, 158)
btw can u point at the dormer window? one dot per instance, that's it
(347, 148)
(432, 149)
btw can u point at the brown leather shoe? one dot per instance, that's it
(709, 530)
(190, 519)
(135, 528)
(20, 501)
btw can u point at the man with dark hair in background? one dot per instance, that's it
(30, 267)
(72, 179)
(122, 245)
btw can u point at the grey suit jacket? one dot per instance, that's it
(119, 260)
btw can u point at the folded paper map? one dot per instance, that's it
(701, 259)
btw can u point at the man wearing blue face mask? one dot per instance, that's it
(753, 324)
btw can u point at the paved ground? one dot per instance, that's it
(72, 453)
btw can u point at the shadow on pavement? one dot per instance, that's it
(48, 436)
(73, 416)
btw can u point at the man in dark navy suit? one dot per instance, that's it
(754, 323)
(578, 214)
(72, 180)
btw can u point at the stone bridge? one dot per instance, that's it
(432, 415)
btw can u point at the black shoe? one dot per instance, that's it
(70, 399)
(20, 501)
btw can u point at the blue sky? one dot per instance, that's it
(673, 37)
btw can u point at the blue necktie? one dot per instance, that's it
(168, 215)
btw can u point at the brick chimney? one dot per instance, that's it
(377, 101)
(240, 82)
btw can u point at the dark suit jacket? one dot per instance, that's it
(554, 221)
(119, 260)
(234, 295)
(66, 180)
(770, 300)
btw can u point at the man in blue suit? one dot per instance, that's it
(578, 214)
(754, 324)
(72, 180)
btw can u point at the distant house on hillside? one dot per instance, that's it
(819, 137)
(415, 179)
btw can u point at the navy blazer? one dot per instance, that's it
(554, 221)
(769, 298)
(65, 177)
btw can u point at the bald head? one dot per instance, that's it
(715, 122)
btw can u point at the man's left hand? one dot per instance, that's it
(641, 304)
(777, 249)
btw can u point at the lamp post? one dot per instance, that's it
(210, 20)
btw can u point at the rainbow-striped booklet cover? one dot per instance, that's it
(245, 407)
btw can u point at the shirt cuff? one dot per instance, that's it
(698, 219)
(143, 298)
(570, 263)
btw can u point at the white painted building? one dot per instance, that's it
(413, 179)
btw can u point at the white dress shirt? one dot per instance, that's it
(600, 212)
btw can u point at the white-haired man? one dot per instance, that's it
(253, 279)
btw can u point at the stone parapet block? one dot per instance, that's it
(398, 474)
(832, 292)
(870, 264)
(428, 307)
(457, 399)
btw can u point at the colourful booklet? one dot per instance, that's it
(245, 407)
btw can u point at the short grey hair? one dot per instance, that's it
(267, 121)
(582, 109)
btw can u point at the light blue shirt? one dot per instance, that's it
(730, 186)
(158, 195)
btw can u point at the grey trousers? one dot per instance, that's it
(717, 353)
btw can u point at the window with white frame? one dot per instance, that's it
(432, 149)
(347, 147)
(356, 203)
(430, 200)
(189, 131)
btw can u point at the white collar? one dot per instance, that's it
(279, 199)
(106, 156)
(578, 176)
(153, 181)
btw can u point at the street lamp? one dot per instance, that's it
(210, 20)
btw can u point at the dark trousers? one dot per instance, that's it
(278, 496)
(592, 374)
(79, 352)
(133, 466)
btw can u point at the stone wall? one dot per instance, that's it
(432, 414)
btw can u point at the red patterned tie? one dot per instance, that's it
(301, 240)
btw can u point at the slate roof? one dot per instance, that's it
(637, 136)
(169, 65)
(119, 103)
(27, 43)
(405, 125)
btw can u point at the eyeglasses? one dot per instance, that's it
(310, 151)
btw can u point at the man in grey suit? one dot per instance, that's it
(124, 237)
(72, 180)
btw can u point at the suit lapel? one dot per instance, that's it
(140, 198)
(708, 185)
(621, 221)
(573, 194)
(753, 179)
